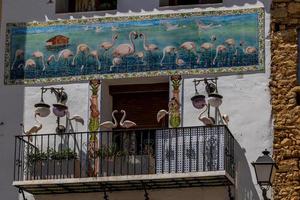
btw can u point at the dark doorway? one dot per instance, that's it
(141, 103)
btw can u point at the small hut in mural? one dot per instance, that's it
(57, 42)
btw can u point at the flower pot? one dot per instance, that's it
(214, 99)
(198, 101)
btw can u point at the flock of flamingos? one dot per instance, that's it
(117, 54)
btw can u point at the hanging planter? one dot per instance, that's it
(42, 109)
(215, 100)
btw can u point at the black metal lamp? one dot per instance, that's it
(265, 168)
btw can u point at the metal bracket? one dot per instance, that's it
(264, 192)
(146, 195)
(105, 197)
(229, 193)
(22, 192)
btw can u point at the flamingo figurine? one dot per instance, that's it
(36, 128)
(110, 124)
(76, 118)
(207, 121)
(161, 114)
(126, 123)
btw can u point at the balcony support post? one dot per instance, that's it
(105, 195)
(229, 193)
(22, 192)
(146, 195)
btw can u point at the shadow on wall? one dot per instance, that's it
(266, 3)
(226, 3)
(245, 187)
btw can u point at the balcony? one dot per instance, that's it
(122, 160)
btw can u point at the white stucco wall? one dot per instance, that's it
(246, 101)
(77, 96)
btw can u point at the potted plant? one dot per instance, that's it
(63, 163)
(112, 159)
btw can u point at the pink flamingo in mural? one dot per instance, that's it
(65, 54)
(207, 47)
(19, 55)
(108, 45)
(30, 64)
(110, 124)
(116, 61)
(248, 50)
(125, 49)
(220, 49)
(180, 62)
(82, 49)
(126, 123)
(168, 50)
(190, 47)
(150, 48)
(39, 55)
(94, 54)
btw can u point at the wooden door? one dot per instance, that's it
(141, 102)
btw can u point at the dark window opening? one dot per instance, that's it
(187, 2)
(65, 6)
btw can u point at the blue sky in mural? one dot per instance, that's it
(159, 44)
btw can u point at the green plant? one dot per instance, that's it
(64, 154)
(36, 156)
(51, 154)
(110, 152)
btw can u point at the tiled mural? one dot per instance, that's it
(147, 45)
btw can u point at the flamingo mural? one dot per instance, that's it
(137, 46)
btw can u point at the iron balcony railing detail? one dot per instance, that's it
(124, 152)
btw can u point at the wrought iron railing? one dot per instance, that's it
(124, 152)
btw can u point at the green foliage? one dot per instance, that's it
(108, 152)
(51, 154)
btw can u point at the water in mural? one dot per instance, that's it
(118, 46)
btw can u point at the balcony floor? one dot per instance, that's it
(126, 183)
